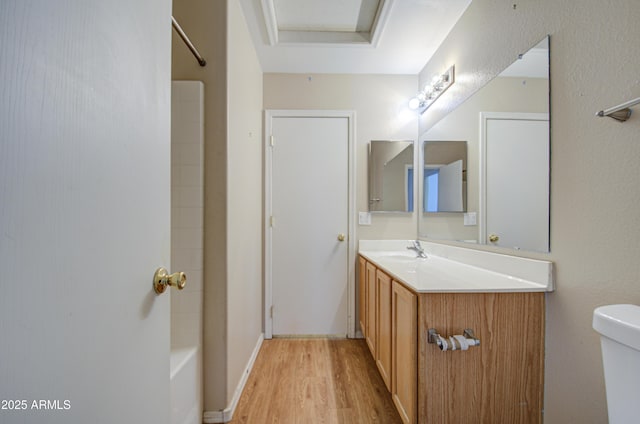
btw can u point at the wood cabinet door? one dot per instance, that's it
(362, 295)
(404, 317)
(371, 308)
(499, 381)
(383, 352)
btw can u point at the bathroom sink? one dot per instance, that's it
(399, 256)
(450, 269)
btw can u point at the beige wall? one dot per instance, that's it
(233, 188)
(380, 105)
(244, 198)
(595, 226)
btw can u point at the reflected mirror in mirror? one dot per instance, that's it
(506, 127)
(444, 181)
(391, 176)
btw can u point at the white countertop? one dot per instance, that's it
(450, 269)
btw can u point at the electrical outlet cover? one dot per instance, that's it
(470, 218)
(364, 218)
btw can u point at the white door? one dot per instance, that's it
(516, 150)
(84, 211)
(308, 264)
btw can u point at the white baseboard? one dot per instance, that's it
(224, 416)
(214, 417)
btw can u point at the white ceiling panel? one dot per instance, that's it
(329, 22)
(327, 15)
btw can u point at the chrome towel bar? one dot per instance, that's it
(621, 112)
(457, 342)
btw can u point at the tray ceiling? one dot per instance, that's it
(349, 36)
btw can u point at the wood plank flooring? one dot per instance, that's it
(302, 381)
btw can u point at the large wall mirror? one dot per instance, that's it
(391, 176)
(506, 128)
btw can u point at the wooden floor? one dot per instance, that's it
(315, 381)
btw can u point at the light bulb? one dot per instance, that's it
(414, 103)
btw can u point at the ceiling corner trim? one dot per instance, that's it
(380, 22)
(269, 12)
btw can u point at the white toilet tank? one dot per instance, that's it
(619, 326)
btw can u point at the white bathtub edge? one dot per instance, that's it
(210, 417)
(185, 383)
(179, 356)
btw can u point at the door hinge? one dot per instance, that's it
(272, 141)
(271, 311)
(272, 221)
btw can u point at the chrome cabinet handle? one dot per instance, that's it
(162, 279)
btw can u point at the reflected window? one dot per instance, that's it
(408, 193)
(431, 177)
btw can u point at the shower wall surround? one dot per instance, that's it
(187, 136)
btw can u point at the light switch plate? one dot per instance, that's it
(364, 218)
(470, 219)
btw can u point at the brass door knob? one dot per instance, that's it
(162, 279)
(341, 237)
(493, 238)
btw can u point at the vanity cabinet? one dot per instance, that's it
(371, 294)
(404, 310)
(499, 381)
(383, 320)
(362, 295)
(375, 316)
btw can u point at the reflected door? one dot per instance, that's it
(516, 148)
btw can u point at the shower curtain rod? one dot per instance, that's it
(188, 42)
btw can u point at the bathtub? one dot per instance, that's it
(185, 381)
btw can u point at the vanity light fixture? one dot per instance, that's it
(432, 91)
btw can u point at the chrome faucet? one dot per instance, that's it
(415, 245)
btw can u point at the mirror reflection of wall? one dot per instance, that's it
(521, 88)
(391, 176)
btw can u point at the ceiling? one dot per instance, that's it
(349, 36)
